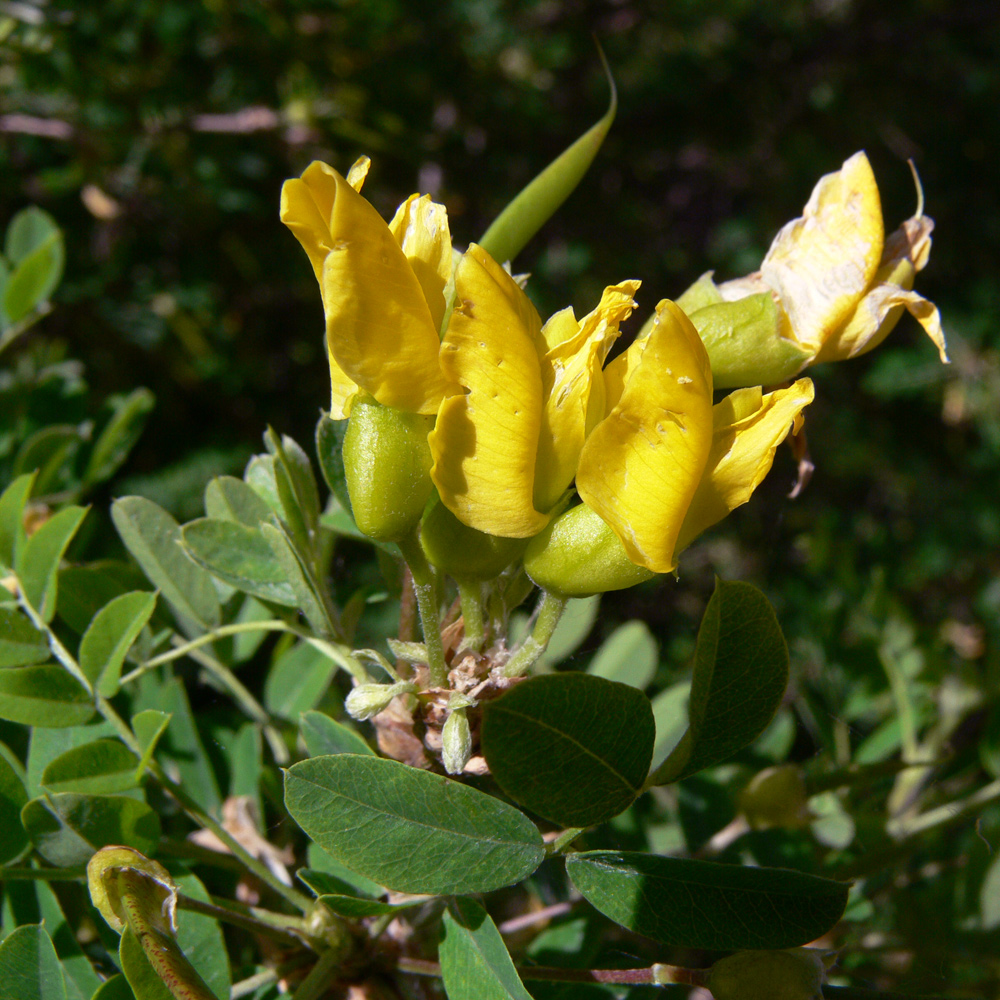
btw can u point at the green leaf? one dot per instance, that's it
(29, 966)
(307, 597)
(44, 695)
(34, 245)
(740, 674)
(355, 908)
(153, 537)
(628, 655)
(20, 642)
(570, 747)
(67, 828)
(540, 200)
(408, 829)
(12, 503)
(29, 229)
(34, 279)
(148, 726)
(200, 939)
(99, 768)
(330, 450)
(81, 979)
(297, 681)
(323, 735)
(181, 744)
(259, 476)
(13, 796)
(45, 745)
(119, 435)
(670, 716)
(230, 499)
(329, 877)
(115, 988)
(37, 563)
(240, 556)
(475, 964)
(110, 636)
(294, 463)
(298, 517)
(50, 451)
(84, 590)
(700, 904)
(574, 626)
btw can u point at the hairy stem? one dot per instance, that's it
(547, 615)
(425, 590)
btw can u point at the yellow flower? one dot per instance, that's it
(383, 287)
(837, 284)
(663, 465)
(506, 449)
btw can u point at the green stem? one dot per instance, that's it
(316, 983)
(340, 655)
(563, 841)
(470, 593)
(904, 705)
(273, 625)
(253, 983)
(425, 589)
(43, 874)
(657, 974)
(59, 651)
(238, 692)
(247, 921)
(550, 609)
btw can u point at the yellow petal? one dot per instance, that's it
(906, 252)
(821, 264)
(573, 389)
(420, 227)
(379, 328)
(306, 208)
(358, 172)
(641, 465)
(748, 427)
(484, 442)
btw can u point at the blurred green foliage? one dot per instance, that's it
(158, 134)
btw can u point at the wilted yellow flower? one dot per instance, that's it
(838, 287)
(506, 449)
(663, 465)
(383, 287)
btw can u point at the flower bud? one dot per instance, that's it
(578, 555)
(367, 700)
(464, 552)
(776, 796)
(387, 464)
(456, 741)
(796, 974)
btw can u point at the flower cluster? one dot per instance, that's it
(513, 436)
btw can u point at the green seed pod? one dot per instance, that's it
(387, 465)
(463, 552)
(578, 555)
(796, 974)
